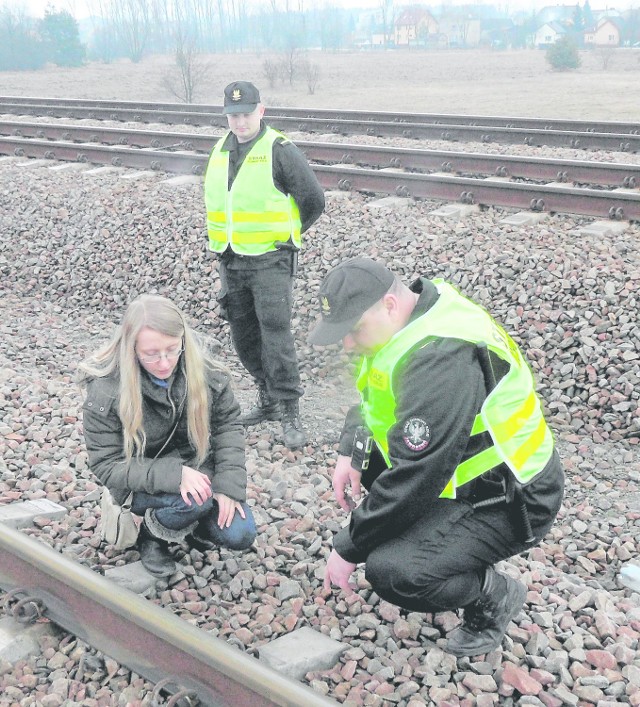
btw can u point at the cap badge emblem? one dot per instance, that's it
(326, 307)
(236, 95)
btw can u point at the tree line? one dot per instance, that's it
(135, 28)
(29, 43)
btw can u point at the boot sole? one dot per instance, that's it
(273, 417)
(159, 575)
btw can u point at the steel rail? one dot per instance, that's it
(620, 205)
(598, 126)
(469, 163)
(149, 640)
(115, 155)
(623, 204)
(448, 132)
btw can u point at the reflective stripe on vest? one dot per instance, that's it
(253, 215)
(511, 413)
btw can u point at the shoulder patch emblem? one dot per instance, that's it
(416, 434)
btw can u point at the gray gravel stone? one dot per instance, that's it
(570, 300)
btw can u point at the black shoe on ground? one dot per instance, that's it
(294, 436)
(485, 621)
(154, 554)
(265, 409)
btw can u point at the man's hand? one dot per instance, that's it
(227, 508)
(345, 475)
(338, 572)
(196, 484)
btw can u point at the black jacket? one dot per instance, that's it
(162, 408)
(441, 385)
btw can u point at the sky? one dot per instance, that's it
(84, 8)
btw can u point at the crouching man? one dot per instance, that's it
(449, 441)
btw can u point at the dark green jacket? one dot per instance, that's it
(224, 465)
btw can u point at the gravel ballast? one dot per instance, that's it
(74, 249)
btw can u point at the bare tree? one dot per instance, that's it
(190, 68)
(388, 16)
(605, 54)
(132, 20)
(291, 61)
(160, 17)
(187, 76)
(311, 73)
(271, 70)
(224, 24)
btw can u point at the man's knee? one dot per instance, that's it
(405, 582)
(276, 318)
(390, 577)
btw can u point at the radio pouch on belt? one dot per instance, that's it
(512, 487)
(362, 447)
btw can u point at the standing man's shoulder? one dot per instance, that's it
(294, 175)
(285, 147)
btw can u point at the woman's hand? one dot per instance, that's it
(227, 509)
(196, 484)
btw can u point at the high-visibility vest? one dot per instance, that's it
(253, 215)
(511, 412)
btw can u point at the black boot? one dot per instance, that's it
(266, 408)
(198, 541)
(294, 435)
(154, 554)
(486, 620)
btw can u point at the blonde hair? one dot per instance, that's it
(119, 357)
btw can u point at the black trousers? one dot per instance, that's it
(439, 563)
(258, 306)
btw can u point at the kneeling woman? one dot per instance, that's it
(161, 421)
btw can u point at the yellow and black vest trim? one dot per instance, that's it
(511, 413)
(253, 215)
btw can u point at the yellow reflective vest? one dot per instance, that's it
(253, 215)
(511, 412)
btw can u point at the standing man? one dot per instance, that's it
(461, 472)
(261, 195)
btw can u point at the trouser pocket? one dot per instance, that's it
(223, 304)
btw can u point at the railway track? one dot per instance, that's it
(586, 126)
(473, 178)
(622, 137)
(183, 661)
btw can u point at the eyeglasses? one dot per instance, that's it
(173, 352)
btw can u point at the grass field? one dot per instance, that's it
(512, 82)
